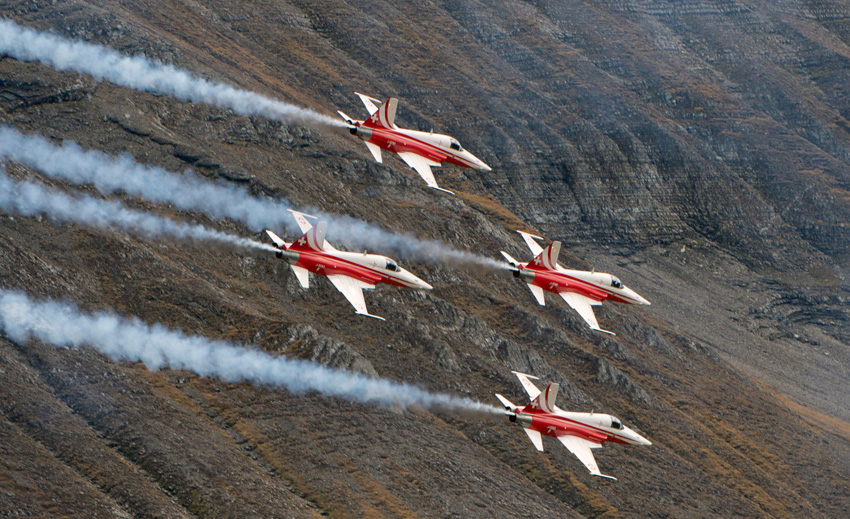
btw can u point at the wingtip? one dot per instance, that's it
(378, 317)
(529, 234)
(603, 331)
(441, 189)
(524, 374)
(603, 476)
(293, 211)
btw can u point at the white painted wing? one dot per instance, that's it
(538, 294)
(303, 276)
(353, 291)
(423, 167)
(305, 225)
(376, 152)
(581, 450)
(369, 102)
(527, 384)
(582, 305)
(536, 438)
(533, 246)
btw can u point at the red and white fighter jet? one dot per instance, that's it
(581, 290)
(350, 272)
(579, 432)
(420, 150)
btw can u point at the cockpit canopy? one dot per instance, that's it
(391, 265)
(453, 144)
(616, 282)
(606, 420)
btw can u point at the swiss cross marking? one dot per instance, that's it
(301, 241)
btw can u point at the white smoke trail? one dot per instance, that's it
(190, 192)
(31, 199)
(64, 326)
(140, 73)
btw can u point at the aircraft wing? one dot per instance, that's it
(305, 225)
(581, 450)
(527, 384)
(536, 438)
(370, 103)
(353, 291)
(535, 247)
(582, 305)
(423, 167)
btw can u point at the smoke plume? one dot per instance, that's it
(31, 199)
(140, 73)
(158, 347)
(188, 191)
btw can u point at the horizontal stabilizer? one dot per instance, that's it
(370, 103)
(276, 239)
(375, 150)
(511, 260)
(533, 246)
(505, 402)
(535, 438)
(527, 384)
(538, 294)
(303, 276)
(345, 117)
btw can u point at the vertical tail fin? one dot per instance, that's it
(548, 258)
(313, 239)
(384, 117)
(545, 401)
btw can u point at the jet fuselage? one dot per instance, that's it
(433, 146)
(369, 268)
(593, 427)
(594, 285)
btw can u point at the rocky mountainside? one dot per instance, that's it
(698, 149)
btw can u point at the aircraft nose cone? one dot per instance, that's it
(640, 300)
(638, 439)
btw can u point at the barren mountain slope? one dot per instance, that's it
(697, 149)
